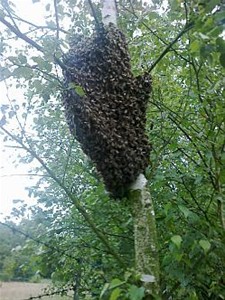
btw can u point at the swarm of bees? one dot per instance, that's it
(105, 106)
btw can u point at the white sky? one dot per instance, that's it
(13, 186)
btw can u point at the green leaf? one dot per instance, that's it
(13, 59)
(4, 74)
(203, 36)
(47, 7)
(219, 17)
(222, 59)
(115, 283)
(195, 46)
(104, 290)
(220, 42)
(184, 210)
(22, 72)
(2, 14)
(3, 121)
(205, 244)
(127, 275)
(176, 239)
(22, 58)
(42, 63)
(136, 293)
(115, 294)
(79, 90)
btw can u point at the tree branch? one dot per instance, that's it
(94, 15)
(25, 38)
(19, 34)
(167, 49)
(56, 19)
(39, 242)
(40, 26)
(155, 34)
(71, 196)
(6, 6)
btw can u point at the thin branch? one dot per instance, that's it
(154, 33)
(186, 11)
(68, 159)
(56, 19)
(50, 294)
(167, 49)
(194, 199)
(39, 242)
(25, 38)
(209, 171)
(143, 23)
(158, 104)
(40, 26)
(19, 34)
(27, 175)
(177, 122)
(14, 110)
(71, 196)
(94, 15)
(188, 156)
(6, 6)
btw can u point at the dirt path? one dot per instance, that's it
(24, 290)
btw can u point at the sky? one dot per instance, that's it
(13, 180)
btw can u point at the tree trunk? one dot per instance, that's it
(109, 12)
(145, 237)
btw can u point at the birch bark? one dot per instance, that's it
(139, 199)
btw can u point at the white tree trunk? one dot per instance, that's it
(145, 237)
(109, 12)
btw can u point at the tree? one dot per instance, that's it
(18, 261)
(8, 242)
(184, 123)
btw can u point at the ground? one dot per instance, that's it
(24, 290)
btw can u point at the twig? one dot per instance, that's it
(71, 196)
(40, 26)
(27, 175)
(94, 15)
(19, 34)
(14, 111)
(68, 159)
(56, 19)
(39, 242)
(154, 33)
(6, 6)
(49, 294)
(167, 49)
(25, 38)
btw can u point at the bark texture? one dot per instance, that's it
(145, 236)
(109, 12)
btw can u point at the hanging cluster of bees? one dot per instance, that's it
(105, 106)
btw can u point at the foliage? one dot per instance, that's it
(128, 288)
(185, 127)
(17, 262)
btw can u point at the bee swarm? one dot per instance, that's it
(109, 119)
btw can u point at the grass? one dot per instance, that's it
(25, 290)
